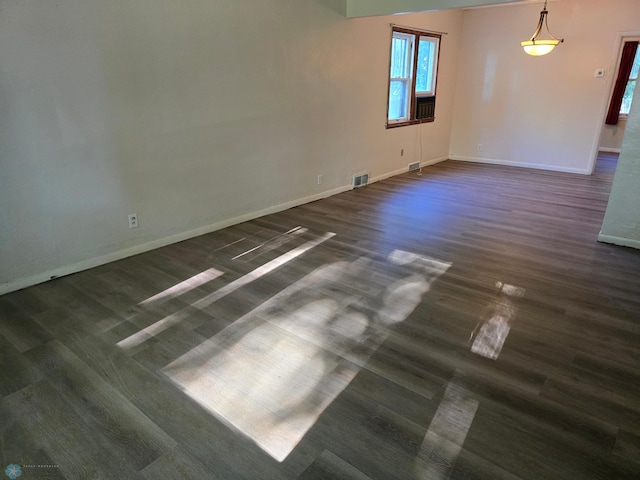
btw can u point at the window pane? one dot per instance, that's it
(628, 96)
(398, 92)
(426, 61)
(636, 65)
(400, 49)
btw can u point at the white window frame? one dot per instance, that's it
(408, 81)
(434, 65)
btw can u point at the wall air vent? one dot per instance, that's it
(414, 166)
(360, 180)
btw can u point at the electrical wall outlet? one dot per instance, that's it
(479, 148)
(319, 179)
(133, 220)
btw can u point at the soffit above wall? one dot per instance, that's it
(369, 8)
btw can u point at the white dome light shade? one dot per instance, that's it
(539, 47)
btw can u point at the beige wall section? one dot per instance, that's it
(193, 114)
(545, 112)
(622, 219)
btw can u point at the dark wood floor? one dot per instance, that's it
(462, 324)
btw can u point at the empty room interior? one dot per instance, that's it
(319, 239)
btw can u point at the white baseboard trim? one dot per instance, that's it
(609, 150)
(509, 163)
(433, 161)
(400, 171)
(25, 282)
(624, 242)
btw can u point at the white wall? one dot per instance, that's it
(193, 114)
(544, 112)
(622, 219)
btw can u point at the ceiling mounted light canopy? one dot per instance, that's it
(537, 46)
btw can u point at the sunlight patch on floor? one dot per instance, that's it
(273, 372)
(492, 332)
(161, 325)
(184, 287)
(447, 433)
(272, 244)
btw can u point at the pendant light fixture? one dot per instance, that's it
(537, 46)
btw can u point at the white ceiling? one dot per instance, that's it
(367, 8)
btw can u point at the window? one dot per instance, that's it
(412, 77)
(631, 85)
(625, 83)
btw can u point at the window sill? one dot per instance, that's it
(410, 122)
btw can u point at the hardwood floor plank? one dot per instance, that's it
(351, 425)
(33, 462)
(469, 466)
(197, 431)
(60, 294)
(177, 464)
(573, 392)
(17, 372)
(38, 418)
(124, 374)
(18, 328)
(628, 446)
(104, 409)
(548, 454)
(328, 466)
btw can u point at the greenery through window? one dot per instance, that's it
(412, 77)
(631, 86)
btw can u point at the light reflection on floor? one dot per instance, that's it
(185, 286)
(447, 433)
(275, 370)
(272, 243)
(493, 329)
(161, 325)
